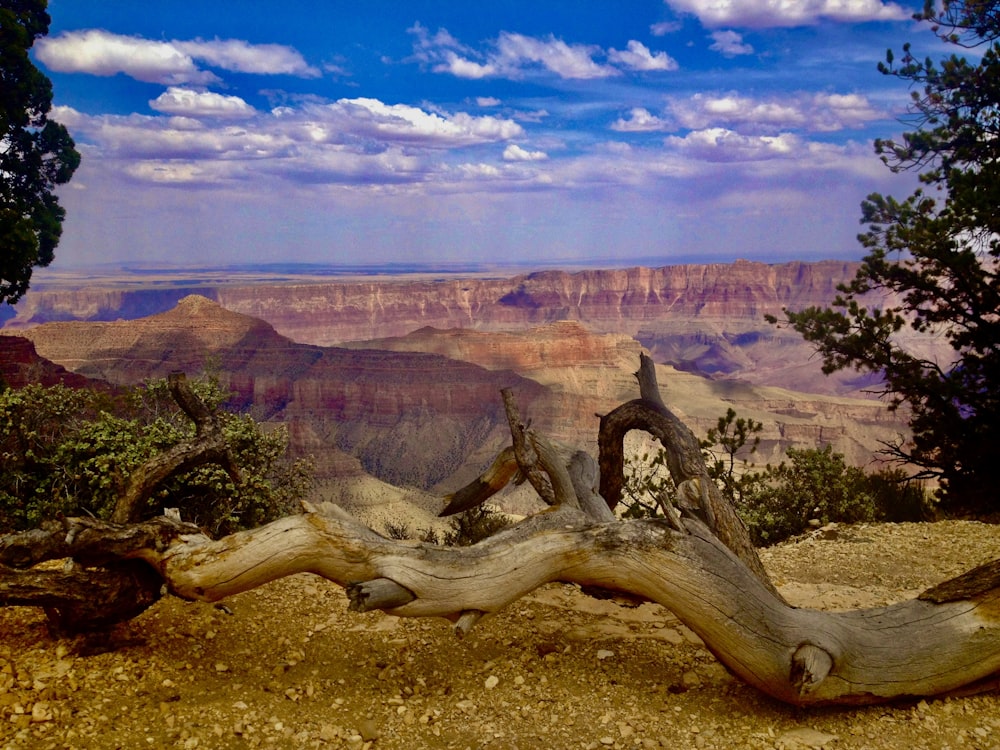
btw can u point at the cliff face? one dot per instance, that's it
(20, 365)
(703, 318)
(408, 418)
(418, 409)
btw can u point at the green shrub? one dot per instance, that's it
(815, 484)
(474, 525)
(779, 502)
(72, 452)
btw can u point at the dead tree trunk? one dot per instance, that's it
(693, 563)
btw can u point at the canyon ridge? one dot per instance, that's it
(398, 378)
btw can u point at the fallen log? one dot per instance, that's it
(921, 647)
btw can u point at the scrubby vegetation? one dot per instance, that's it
(66, 451)
(815, 486)
(467, 528)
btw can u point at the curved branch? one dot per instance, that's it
(698, 495)
(799, 656)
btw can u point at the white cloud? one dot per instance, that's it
(639, 57)
(723, 145)
(778, 13)
(402, 123)
(515, 51)
(664, 27)
(836, 111)
(640, 120)
(729, 43)
(814, 112)
(513, 152)
(461, 67)
(513, 56)
(177, 100)
(487, 101)
(102, 53)
(240, 56)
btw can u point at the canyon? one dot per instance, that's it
(706, 318)
(400, 379)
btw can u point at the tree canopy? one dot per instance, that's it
(932, 263)
(36, 153)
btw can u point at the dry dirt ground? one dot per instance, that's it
(290, 667)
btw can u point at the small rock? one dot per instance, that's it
(805, 738)
(604, 654)
(492, 681)
(368, 730)
(690, 680)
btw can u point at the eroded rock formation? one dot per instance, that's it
(703, 318)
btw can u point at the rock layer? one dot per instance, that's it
(704, 318)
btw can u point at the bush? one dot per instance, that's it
(474, 525)
(816, 484)
(779, 502)
(71, 452)
(647, 487)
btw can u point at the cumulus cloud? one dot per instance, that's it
(639, 57)
(723, 145)
(729, 43)
(814, 112)
(103, 53)
(460, 67)
(181, 101)
(487, 101)
(513, 152)
(239, 56)
(639, 120)
(513, 55)
(206, 138)
(402, 123)
(780, 13)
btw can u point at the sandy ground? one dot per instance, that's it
(288, 666)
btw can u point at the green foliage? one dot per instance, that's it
(72, 451)
(37, 154)
(815, 484)
(933, 258)
(647, 487)
(779, 501)
(474, 525)
(468, 528)
(730, 437)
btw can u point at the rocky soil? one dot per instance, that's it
(287, 665)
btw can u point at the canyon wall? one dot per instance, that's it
(408, 418)
(703, 318)
(425, 408)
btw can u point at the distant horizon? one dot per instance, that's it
(269, 272)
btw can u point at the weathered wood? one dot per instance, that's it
(696, 563)
(79, 599)
(697, 494)
(800, 656)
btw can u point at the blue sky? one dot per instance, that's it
(507, 131)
